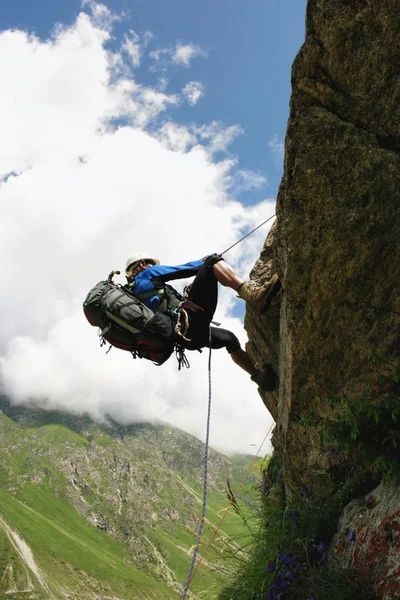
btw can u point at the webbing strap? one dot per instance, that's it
(150, 294)
(122, 323)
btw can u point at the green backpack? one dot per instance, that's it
(128, 324)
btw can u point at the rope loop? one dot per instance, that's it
(182, 322)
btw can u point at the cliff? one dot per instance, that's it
(335, 246)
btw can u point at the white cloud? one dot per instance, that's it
(218, 136)
(131, 46)
(193, 91)
(160, 53)
(181, 54)
(162, 84)
(246, 180)
(278, 148)
(147, 37)
(184, 53)
(77, 196)
(101, 16)
(176, 137)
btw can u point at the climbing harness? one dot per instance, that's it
(247, 235)
(205, 481)
(181, 311)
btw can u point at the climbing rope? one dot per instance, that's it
(205, 481)
(231, 503)
(206, 449)
(191, 572)
(245, 236)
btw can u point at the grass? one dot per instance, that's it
(288, 553)
(251, 580)
(68, 549)
(13, 574)
(35, 500)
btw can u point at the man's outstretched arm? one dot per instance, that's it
(169, 273)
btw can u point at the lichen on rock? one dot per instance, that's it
(368, 538)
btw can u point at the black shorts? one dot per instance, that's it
(203, 297)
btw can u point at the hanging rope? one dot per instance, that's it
(245, 236)
(205, 481)
(231, 504)
(206, 450)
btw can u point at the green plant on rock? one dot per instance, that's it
(366, 427)
(288, 558)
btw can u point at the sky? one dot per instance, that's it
(128, 126)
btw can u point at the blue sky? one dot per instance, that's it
(250, 46)
(140, 125)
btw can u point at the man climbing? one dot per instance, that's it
(193, 314)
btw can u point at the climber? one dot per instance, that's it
(194, 313)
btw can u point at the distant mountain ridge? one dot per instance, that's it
(106, 510)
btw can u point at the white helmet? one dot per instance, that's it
(133, 261)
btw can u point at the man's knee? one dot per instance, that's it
(232, 343)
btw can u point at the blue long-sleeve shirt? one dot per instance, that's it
(149, 283)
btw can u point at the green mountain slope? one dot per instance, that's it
(108, 512)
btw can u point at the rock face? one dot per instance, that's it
(369, 539)
(335, 244)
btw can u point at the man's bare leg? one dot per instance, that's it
(242, 359)
(265, 378)
(226, 275)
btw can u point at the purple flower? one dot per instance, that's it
(321, 547)
(324, 558)
(283, 557)
(289, 576)
(304, 492)
(294, 515)
(352, 536)
(279, 584)
(287, 558)
(271, 568)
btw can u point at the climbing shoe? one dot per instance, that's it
(260, 296)
(266, 379)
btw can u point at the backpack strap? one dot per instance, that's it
(122, 323)
(150, 294)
